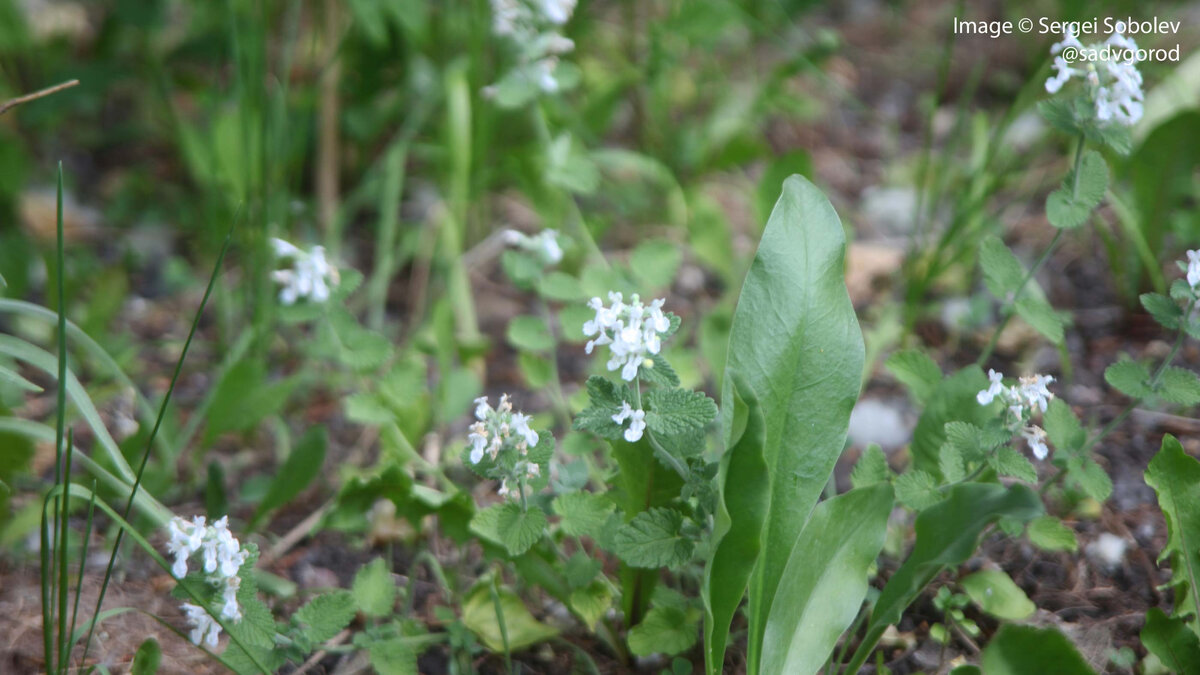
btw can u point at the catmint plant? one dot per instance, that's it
(533, 29)
(309, 277)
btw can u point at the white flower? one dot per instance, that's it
(995, 387)
(1111, 74)
(1036, 437)
(223, 558)
(544, 245)
(503, 491)
(230, 609)
(520, 424)
(309, 276)
(185, 539)
(482, 408)
(1034, 391)
(203, 626)
(637, 421)
(1193, 268)
(558, 11)
(633, 332)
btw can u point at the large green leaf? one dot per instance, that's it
(825, 580)
(744, 489)
(796, 340)
(1171, 641)
(947, 534)
(1176, 478)
(1026, 650)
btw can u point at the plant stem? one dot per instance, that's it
(1008, 309)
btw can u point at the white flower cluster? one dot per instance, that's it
(533, 26)
(1021, 400)
(544, 245)
(222, 558)
(637, 421)
(498, 429)
(632, 331)
(309, 277)
(1193, 269)
(1111, 73)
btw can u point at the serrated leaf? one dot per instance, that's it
(655, 262)
(374, 590)
(582, 514)
(1062, 426)
(664, 630)
(591, 602)
(871, 468)
(953, 400)
(392, 657)
(507, 525)
(1041, 317)
(325, 615)
(661, 373)
(654, 538)
(1009, 462)
(917, 489)
(1051, 534)
(1175, 477)
(1164, 310)
(1179, 385)
(917, 371)
(605, 401)
(1070, 205)
(673, 412)
(1002, 272)
(1129, 377)
(1171, 641)
(952, 463)
(580, 569)
(529, 333)
(1090, 477)
(995, 593)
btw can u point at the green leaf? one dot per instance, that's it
(1009, 462)
(1175, 476)
(522, 269)
(796, 340)
(243, 398)
(871, 468)
(529, 333)
(147, 658)
(947, 534)
(952, 463)
(606, 398)
(1051, 534)
(743, 493)
(1041, 317)
(917, 371)
(825, 580)
(1090, 477)
(1062, 426)
(1130, 378)
(591, 602)
(1002, 272)
(1070, 205)
(655, 262)
(325, 615)
(654, 538)
(917, 489)
(952, 401)
(8, 376)
(302, 465)
(1165, 311)
(582, 514)
(1021, 650)
(374, 590)
(666, 630)
(673, 412)
(1171, 641)
(522, 630)
(995, 593)
(1179, 385)
(560, 286)
(392, 657)
(506, 524)
(661, 373)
